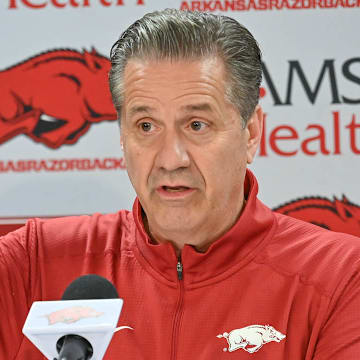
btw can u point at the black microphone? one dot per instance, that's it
(87, 287)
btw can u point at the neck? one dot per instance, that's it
(201, 237)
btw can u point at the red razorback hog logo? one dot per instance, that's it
(71, 315)
(337, 215)
(54, 97)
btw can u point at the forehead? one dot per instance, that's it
(174, 80)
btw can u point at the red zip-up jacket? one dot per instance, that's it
(271, 288)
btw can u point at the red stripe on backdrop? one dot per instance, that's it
(8, 224)
(6, 228)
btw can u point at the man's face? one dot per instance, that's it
(185, 148)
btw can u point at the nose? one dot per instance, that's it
(172, 153)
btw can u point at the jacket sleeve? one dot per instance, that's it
(15, 289)
(340, 335)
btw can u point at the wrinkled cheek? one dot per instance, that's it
(230, 182)
(133, 167)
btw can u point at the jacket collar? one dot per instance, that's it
(224, 256)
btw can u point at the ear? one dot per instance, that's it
(121, 142)
(254, 127)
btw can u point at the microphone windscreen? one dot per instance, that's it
(89, 287)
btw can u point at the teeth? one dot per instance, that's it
(175, 189)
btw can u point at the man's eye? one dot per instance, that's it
(146, 126)
(197, 125)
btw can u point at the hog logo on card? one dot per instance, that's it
(55, 97)
(71, 315)
(337, 215)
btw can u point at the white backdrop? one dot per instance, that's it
(310, 52)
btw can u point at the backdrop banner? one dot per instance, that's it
(59, 136)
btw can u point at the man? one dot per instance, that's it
(206, 270)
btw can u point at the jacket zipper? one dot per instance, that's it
(179, 269)
(178, 311)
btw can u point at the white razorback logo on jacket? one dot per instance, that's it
(251, 338)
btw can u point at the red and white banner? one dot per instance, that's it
(59, 138)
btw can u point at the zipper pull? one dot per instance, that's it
(179, 269)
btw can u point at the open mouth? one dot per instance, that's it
(175, 188)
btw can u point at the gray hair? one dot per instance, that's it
(184, 35)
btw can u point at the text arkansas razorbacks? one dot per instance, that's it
(253, 5)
